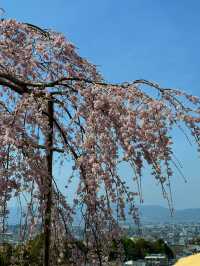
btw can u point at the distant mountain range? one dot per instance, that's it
(158, 214)
(148, 214)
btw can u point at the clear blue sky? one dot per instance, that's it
(152, 39)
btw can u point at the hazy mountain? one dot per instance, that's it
(148, 213)
(153, 213)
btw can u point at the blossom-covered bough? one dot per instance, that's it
(55, 106)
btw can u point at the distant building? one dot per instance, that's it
(6, 237)
(135, 263)
(156, 259)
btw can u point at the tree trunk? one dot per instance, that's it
(48, 186)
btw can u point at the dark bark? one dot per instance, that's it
(48, 193)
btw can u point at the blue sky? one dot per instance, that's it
(152, 39)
